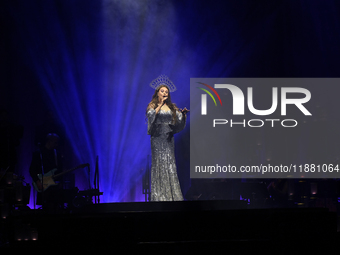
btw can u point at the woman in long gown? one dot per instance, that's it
(164, 120)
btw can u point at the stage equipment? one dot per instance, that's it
(47, 179)
(146, 180)
(85, 197)
(14, 193)
(96, 182)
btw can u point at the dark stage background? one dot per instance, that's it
(91, 62)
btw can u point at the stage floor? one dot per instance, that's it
(192, 225)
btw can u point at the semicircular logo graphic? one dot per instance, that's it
(213, 90)
(204, 97)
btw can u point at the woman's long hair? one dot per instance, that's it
(154, 102)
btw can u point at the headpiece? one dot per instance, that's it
(163, 80)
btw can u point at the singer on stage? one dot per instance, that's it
(164, 120)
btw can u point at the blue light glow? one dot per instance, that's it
(93, 62)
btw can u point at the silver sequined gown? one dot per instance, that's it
(164, 180)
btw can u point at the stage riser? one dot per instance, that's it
(133, 228)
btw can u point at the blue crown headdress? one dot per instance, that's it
(163, 80)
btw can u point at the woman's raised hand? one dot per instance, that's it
(185, 110)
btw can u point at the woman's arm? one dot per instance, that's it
(152, 106)
(181, 122)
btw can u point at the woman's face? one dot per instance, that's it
(163, 92)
